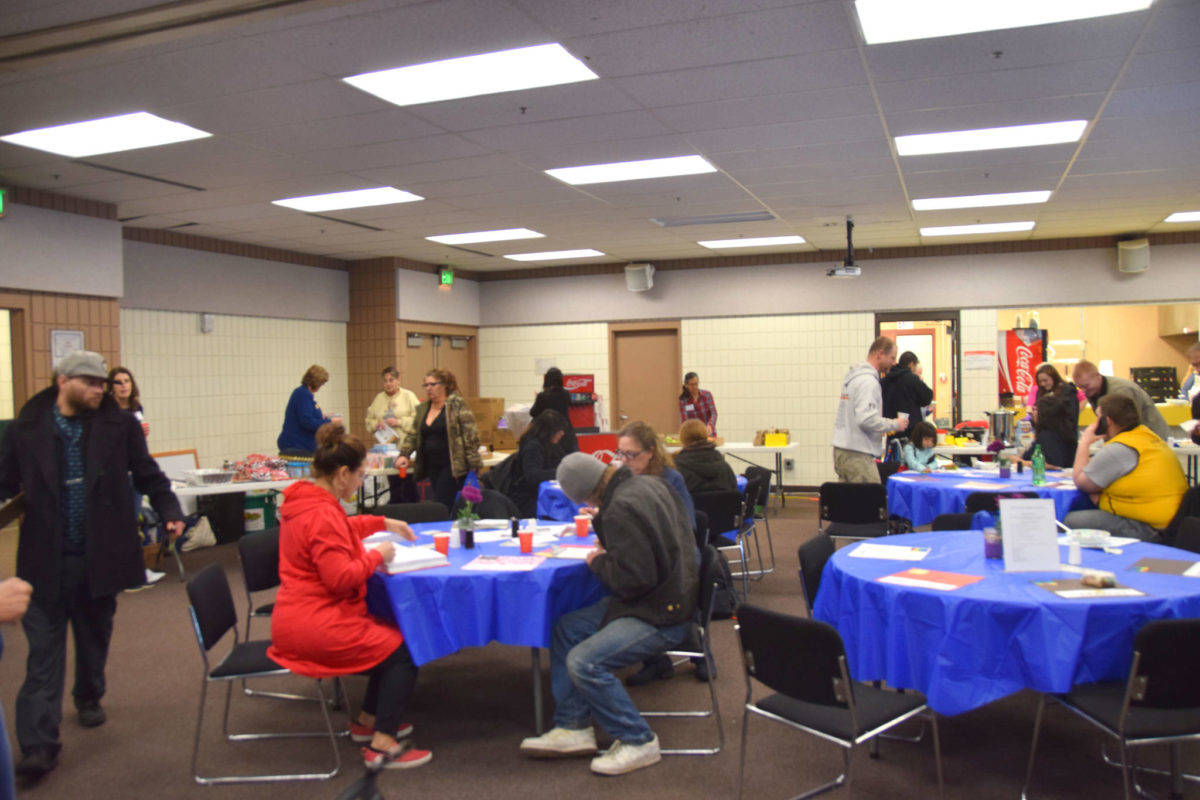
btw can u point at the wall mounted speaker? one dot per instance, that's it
(1133, 255)
(639, 277)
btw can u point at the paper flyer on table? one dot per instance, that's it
(410, 558)
(576, 552)
(1167, 566)
(1029, 535)
(504, 563)
(891, 552)
(981, 486)
(931, 579)
(1076, 589)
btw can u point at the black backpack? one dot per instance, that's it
(502, 478)
(725, 598)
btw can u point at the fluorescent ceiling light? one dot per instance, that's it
(903, 20)
(359, 198)
(761, 241)
(486, 236)
(920, 144)
(971, 230)
(632, 170)
(106, 135)
(469, 76)
(980, 200)
(553, 255)
(1184, 216)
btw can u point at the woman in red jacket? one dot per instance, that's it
(320, 626)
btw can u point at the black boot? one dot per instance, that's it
(658, 667)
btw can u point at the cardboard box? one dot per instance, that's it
(503, 439)
(487, 411)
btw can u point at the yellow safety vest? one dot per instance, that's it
(1152, 491)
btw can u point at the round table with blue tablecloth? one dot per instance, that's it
(967, 647)
(921, 496)
(553, 504)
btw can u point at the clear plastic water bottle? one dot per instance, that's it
(1039, 466)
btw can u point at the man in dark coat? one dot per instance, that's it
(904, 391)
(71, 453)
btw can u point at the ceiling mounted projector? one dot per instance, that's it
(848, 269)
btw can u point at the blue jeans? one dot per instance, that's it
(1107, 521)
(583, 657)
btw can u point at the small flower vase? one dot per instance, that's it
(1005, 469)
(466, 533)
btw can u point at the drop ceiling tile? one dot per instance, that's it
(1152, 69)
(1133, 126)
(795, 156)
(999, 86)
(990, 180)
(387, 125)
(753, 177)
(986, 159)
(604, 152)
(292, 104)
(747, 79)
(1173, 27)
(573, 18)
(587, 98)
(392, 154)
(213, 151)
(992, 115)
(559, 133)
(1153, 100)
(789, 134)
(60, 175)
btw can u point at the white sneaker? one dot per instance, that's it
(561, 743)
(154, 577)
(622, 757)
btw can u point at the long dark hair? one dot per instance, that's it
(553, 379)
(135, 397)
(1056, 379)
(335, 449)
(685, 394)
(543, 427)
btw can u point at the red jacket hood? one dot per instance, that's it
(304, 496)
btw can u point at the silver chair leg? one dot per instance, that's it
(937, 753)
(742, 754)
(1037, 729)
(714, 711)
(1178, 779)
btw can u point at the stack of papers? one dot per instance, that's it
(1075, 589)
(410, 558)
(931, 579)
(578, 552)
(893, 552)
(504, 563)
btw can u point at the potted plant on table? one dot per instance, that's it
(471, 493)
(997, 446)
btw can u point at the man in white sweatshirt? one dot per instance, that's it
(860, 426)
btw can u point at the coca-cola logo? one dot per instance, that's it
(1024, 369)
(575, 383)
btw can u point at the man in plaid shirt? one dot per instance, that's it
(696, 403)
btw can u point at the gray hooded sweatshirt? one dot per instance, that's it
(860, 425)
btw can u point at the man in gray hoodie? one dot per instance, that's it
(860, 426)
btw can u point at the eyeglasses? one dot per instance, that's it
(627, 455)
(428, 385)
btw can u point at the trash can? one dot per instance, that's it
(259, 510)
(226, 514)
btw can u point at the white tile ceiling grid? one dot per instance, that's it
(781, 96)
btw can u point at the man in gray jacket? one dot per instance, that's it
(859, 427)
(646, 556)
(1095, 386)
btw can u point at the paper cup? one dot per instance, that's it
(441, 543)
(526, 538)
(582, 521)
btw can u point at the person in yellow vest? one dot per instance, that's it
(396, 408)
(1135, 480)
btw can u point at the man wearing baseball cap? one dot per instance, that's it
(70, 453)
(647, 558)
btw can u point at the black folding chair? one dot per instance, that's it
(990, 501)
(701, 530)
(1159, 703)
(725, 510)
(1188, 535)
(953, 522)
(213, 616)
(762, 502)
(259, 554)
(413, 513)
(813, 554)
(757, 486)
(699, 645)
(803, 662)
(493, 506)
(853, 510)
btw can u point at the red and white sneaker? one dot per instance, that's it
(401, 758)
(364, 733)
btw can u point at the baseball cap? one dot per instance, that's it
(82, 364)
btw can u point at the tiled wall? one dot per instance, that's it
(224, 392)
(778, 372)
(980, 388)
(6, 367)
(508, 358)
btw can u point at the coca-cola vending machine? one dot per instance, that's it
(1019, 352)
(583, 407)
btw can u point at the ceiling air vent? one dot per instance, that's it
(713, 219)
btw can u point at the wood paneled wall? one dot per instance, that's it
(370, 334)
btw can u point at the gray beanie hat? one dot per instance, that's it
(578, 475)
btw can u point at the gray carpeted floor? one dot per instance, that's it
(473, 708)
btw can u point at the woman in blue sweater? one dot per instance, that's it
(303, 415)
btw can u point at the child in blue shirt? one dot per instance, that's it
(918, 450)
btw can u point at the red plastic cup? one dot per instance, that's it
(403, 469)
(526, 538)
(582, 521)
(441, 543)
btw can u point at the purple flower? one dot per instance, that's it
(995, 446)
(471, 494)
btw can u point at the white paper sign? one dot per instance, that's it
(1030, 537)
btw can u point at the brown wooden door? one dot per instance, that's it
(436, 351)
(646, 377)
(458, 361)
(418, 361)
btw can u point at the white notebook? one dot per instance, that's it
(408, 559)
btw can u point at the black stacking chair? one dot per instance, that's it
(853, 510)
(493, 506)
(803, 662)
(725, 510)
(813, 556)
(1188, 535)
(990, 501)
(757, 486)
(762, 501)
(701, 530)
(213, 616)
(259, 554)
(699, 645)
(953, 522)
(1159, 703)
(413, 513)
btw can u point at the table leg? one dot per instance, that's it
(779, 479)
(538, 727)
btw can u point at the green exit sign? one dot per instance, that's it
(3, 201)
(447, 277)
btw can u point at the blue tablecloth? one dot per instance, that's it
(967, 647)
(922, 496)
(445, 609)
(553, 504)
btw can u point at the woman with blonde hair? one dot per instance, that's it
(445, 440)
(303, 415)
(703, 468)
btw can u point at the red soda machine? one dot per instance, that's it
(1019, 352)
(583, 415)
